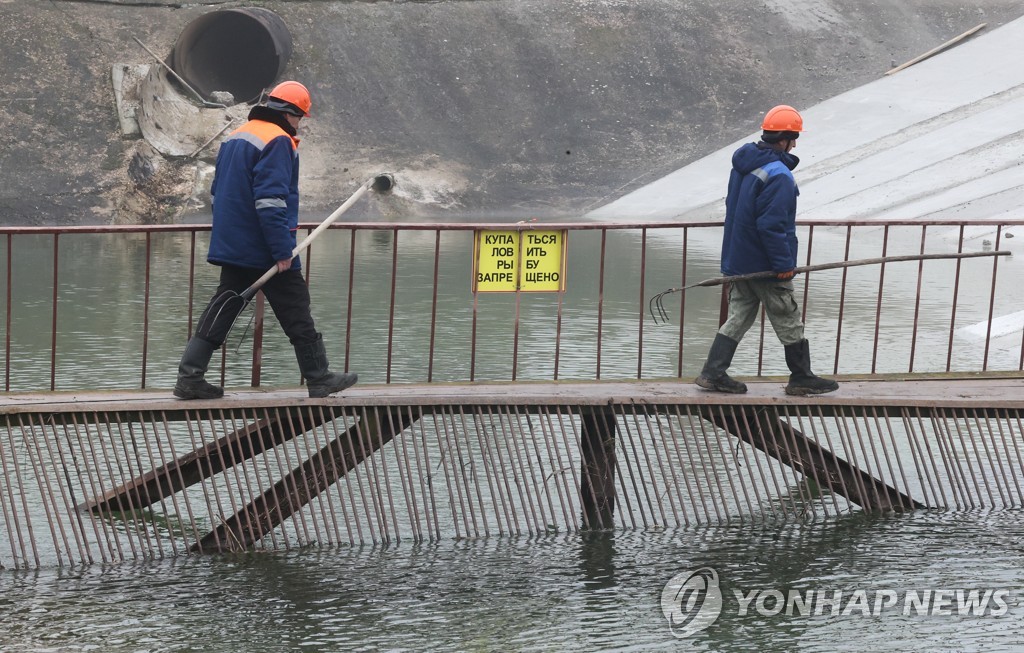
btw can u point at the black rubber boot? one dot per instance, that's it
(802, 381)
(194, 363)
(714, 376)
(320, 381)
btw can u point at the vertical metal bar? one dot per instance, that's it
(191, 280)
(784, 445)
(925, 459)
(310, 485)
(742, 449)
(760, 344)
(995, 463)
(379, 459)
(878, 305)
(408, 475)
(10, 305)
(538, 456)
(458, 472)
(842, 299)
(256, 375)
(145, 307)
(391, 305)
(526, 478)
(232, 466)
(895, 451)
(347, 434)
(676, 420)
(96, 482)
(476, 476)
(70, 453)
(558, 332)
(348, 304)
(491, 470)
(682, 303)
(624, 473)
(726, 466)
(600, 301)
(931, 497)
(992, 300)
(670, 480)
(194, 422)
(807, 277)
(704, 465)
(952, 460)
(472, 339)
(168, 438)
(501, 466)
(322, 439)
(640, 488)
(515, 334)
(152, 463)
(330, 422)
(510, 436)
(572, 499)
(547, 428)
(53, 311)
(426, 476)
(433, 306)
(641, 307)
(114, 460)
(953, 303)
(13, 497)
(917, 300)
(45, 485)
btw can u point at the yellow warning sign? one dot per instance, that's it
(524, 261)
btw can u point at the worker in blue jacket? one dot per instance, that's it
(760, 236)
(255, 216)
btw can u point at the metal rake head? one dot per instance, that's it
(656, 306)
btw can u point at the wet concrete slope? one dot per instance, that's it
(940, 140)
(482, 108)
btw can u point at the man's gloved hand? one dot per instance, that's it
(785, 276)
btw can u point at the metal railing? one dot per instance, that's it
(112, 306)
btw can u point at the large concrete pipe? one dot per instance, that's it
(241, 51)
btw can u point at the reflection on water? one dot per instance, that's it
(593, 592)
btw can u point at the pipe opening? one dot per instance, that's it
(383, 183)
(241, 51)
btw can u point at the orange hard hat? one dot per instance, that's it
(783, 118)
(288, 96)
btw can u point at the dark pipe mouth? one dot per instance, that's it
(241, 51)
(383, 183)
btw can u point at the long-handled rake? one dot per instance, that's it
(657, 307)
(381, 183)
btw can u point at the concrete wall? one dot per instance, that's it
(482, 108)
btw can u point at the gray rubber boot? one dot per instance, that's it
(320, 381)
(714, 376)
(803, 381)
(194, 363)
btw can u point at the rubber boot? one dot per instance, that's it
(714, 376)
(194, 363)
(320, 381)
(802, 381)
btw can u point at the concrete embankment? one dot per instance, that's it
(481, 108)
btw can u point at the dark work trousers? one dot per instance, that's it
(286, 292)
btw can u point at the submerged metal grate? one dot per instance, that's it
(85, 487)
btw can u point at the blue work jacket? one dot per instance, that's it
(255, 197)
(760, 212)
